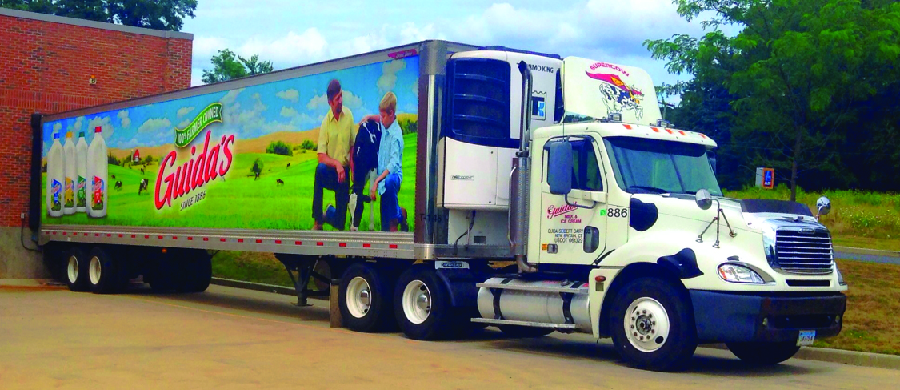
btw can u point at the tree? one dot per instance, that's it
(228, 66)
(799, 74)
(155, 14)
(257, 168)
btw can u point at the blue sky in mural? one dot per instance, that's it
(289, 105)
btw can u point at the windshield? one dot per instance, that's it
(655, 166)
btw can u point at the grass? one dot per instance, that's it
(253, 267)
(239, 201)
(870, 323)
(857, 218)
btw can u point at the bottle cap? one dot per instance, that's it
(98, 129)
(81, 134)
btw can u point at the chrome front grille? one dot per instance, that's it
(804, 251)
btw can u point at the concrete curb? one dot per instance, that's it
(831, 355)
(866, 251)
(254, 286)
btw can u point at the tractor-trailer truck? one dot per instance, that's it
(440, 187)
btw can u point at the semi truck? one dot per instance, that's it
(504, 188)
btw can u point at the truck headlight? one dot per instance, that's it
(735, 273)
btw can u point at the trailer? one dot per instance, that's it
(440, 187)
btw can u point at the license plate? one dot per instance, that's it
(807, 337)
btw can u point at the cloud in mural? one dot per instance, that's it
(316, 102)
(184, 123)
(388, 78)
(105, 125)
(57, 127)
(288, 112)
(155, 125)
(123, 117)
(77, 125)
(231, 96)
(184, 111)
(291, 94)
(320, 102)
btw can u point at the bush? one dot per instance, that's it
(280, 148)
(309, 145)
(112, 160)
(408, 126)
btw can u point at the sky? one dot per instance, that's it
(296, 32)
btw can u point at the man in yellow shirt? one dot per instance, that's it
(336, 137)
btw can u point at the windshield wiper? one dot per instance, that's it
(650, 190)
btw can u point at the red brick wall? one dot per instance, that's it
(46, 67)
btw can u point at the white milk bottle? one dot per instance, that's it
(98, 181)
(69, 172)
(81, 154)
(55, 178)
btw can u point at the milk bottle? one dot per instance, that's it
(69, 172)
(81, 153)
(98, 181)
(55, 178)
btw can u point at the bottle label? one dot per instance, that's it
(70, 192)
(56, 195)
(80, 192)
(99, 190)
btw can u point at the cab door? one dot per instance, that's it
(573, 226)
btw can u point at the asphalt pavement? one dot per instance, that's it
(235, 338)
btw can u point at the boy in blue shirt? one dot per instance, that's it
(390, 160)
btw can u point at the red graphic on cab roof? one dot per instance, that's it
(617, 95)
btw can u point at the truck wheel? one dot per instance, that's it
(524, 331)
(103, 272)
(652, 325)
(422, 305)
(197, 273)
(365, 298)
(77, 264)
(763, 354)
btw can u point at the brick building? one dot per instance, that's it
(51, 64)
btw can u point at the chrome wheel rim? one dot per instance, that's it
(72, 269)
(647, 324)
(416, 302)
(96, 270)
(359, 297)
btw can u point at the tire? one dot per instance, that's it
(104, 273)
(524, 331)
(365, 298)
(665, 342)
(763, 354)
(198, 273)
(422, 305)
(76, 267)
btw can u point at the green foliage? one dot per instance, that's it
(309, 145)
(408, 125)
(280, 147)
(110, 159)
(228, 66)
(257, 168)
(148, 160)
(805, 87)
(155, 14)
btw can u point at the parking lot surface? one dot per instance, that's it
(231, 338)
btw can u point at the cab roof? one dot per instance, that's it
(627, 130)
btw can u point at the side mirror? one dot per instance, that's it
(559, 168)
(823, 205)
(703, 199)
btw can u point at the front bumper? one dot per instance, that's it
(736, 317)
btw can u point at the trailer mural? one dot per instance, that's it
(245, 158)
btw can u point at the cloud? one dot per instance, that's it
(123, 117)
(389, 75)
(208, 46)
(155, 126)
(308, 46)
(316, 102)
(351, 100)
(105, 125)
(185, 123)
(184, 111)
(57, 127)
(289, 112)
(230, 96)
(291, 94)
